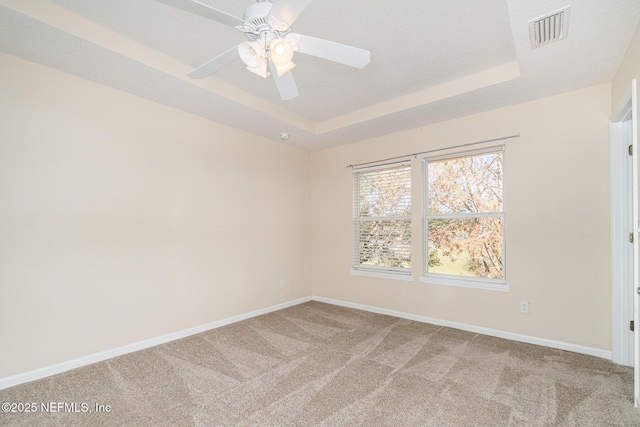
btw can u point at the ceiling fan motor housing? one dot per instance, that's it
(256, 15)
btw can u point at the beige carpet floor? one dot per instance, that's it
(318, 364)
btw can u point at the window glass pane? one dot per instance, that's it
(470, 247)
(384, 243)
(465, 184)
(384, 193)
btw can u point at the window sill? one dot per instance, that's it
(467, 283)
(382, 275)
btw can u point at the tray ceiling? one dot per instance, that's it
(430, 60)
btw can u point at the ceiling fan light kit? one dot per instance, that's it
(271, 45)
(281, 53)
(251, 53)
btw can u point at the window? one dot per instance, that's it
(464, 220)
(382, 220)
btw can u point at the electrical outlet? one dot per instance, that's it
(524, 307)
(282, 284)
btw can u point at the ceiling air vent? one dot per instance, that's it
(549, 28)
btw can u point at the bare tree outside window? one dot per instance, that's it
(465, 216)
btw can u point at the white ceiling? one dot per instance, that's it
(430, 60)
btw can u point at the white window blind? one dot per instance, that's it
(382, 218)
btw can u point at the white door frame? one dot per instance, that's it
(623, 132)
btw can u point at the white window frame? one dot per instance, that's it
(463, 281)
(396, 273)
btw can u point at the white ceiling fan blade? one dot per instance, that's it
(213, 65)
(286, 84)
(204, 11)
(336, 52)
(288, 10)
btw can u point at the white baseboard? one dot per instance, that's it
(130, 348)
(108, 354)
(470, 328)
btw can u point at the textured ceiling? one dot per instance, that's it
(430, 60)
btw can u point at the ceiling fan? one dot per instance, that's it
(271, 45)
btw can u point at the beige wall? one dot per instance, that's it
(629, 69)
(557, 202)
(122, 220)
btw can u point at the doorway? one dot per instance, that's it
(624, 235)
